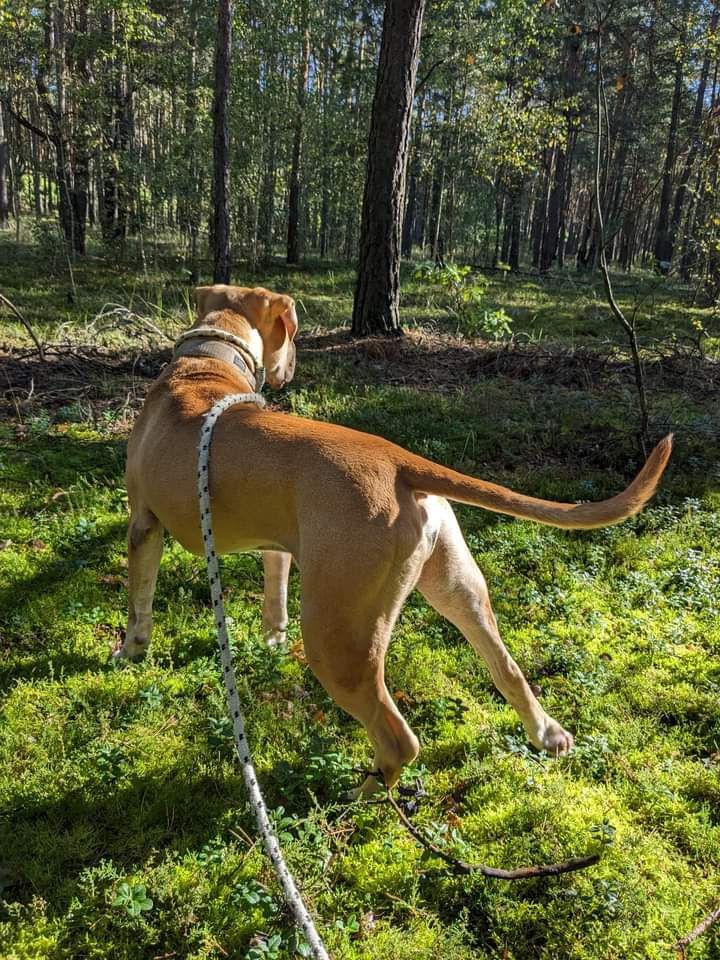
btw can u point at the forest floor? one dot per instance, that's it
(125, 830)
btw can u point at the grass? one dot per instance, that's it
(124, 829)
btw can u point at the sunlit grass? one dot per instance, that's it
(125, 775)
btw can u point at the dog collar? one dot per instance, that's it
(222, 345)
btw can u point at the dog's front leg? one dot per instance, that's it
(145, 546)
(276, 566)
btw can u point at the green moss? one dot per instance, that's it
(111, 775)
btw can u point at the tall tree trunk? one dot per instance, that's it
(293, 241)
(4, 172)
(439, 177)
(663, 238)
(542, 194)
(191, 203)
(695, 141)
(376, 306)
(514, 223)
(409, 224)
(221, 145)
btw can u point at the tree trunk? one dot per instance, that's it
(293, 242)
(377, 294)
(221, 145)
(409, 224)
(514, 222)
(663, 238)
(4, 169)
(695, 141)
(190, 216)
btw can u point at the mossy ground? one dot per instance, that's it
(112, 775)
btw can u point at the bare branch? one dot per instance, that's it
(420, 83)
(521, 873)
(704, 925)
(628, 327)
(24, 122)
(24, 322)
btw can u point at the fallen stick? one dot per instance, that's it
(461, 866)
(23, 321)
(704, 925)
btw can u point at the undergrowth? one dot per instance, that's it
(124, 827)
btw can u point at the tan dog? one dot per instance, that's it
(365, 520)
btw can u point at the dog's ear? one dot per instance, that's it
(289, 316)
(200, 295)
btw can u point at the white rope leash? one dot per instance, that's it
(292, 895)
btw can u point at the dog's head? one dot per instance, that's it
(272, 315)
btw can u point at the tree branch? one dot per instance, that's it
(627, 325)
(704, 925)
(431, 71)
(24, 322)
(24, 122)
(521, 873)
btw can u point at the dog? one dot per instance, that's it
(365, 520)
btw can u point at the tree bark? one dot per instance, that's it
(221, 145)
(4, 169)
(377, 294)
(293, 243)
(695, 141)
(663, 239)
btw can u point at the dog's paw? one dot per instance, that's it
(367, 789)
(555, 740)
(129, 650)
(275, 638)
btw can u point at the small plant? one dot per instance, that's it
(265, 948)
(38, 426)
(151, 696)
(450, 709)
(331, 769)
(133, 899)
(496, 324)
(220, 731)
(48, 242)
(253, 895)
(211, 852)
(110, 761)
(603, 832)
(462, 292)
(464, 298)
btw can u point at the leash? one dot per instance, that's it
(257, 802)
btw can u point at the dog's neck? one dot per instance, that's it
(235, 342)
(241, 327)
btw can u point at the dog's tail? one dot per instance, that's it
(428, 477)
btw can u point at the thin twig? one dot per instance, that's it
(24, 322)
(628, 326)
(704, 925)
(461, 866)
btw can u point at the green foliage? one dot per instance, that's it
(463, 296)
(133, 899)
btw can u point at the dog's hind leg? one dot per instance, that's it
(276, 566)
(367, 698)
(453, 584)
(145, 546)
(347, 620)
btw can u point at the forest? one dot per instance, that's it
(106, 124)
(500, 226)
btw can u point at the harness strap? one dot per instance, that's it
(257, 802)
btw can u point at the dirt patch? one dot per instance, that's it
(444, 363)
(99, 378)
